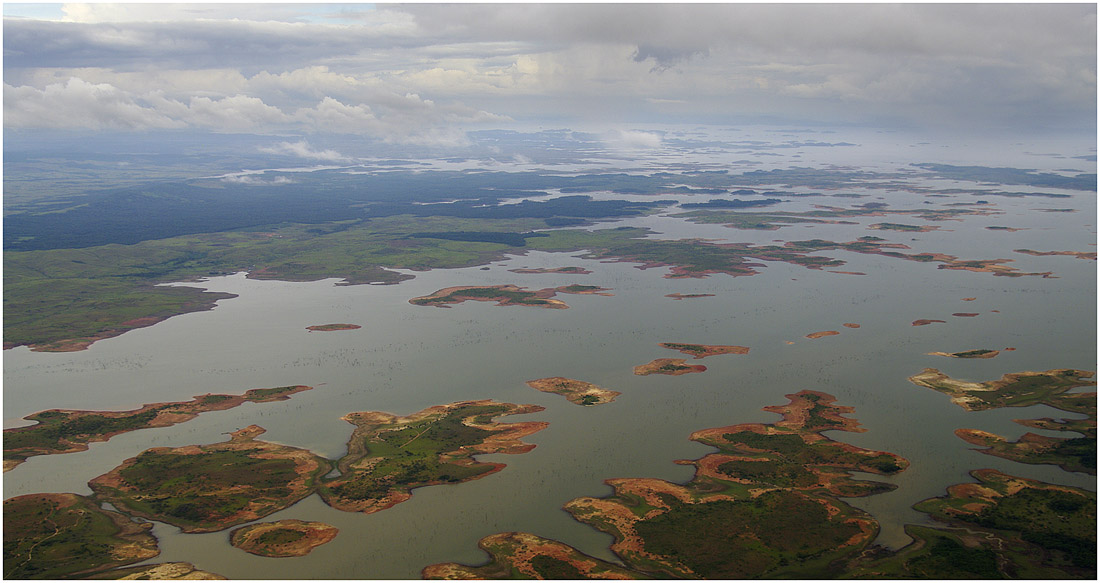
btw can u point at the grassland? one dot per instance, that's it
(56, 536)
(63, 431)
(242, 480)
(388, 455)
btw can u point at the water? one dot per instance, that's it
(406, 358)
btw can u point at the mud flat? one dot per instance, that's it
(389, 455)
(668, 366)
(283, 538)
(242, 480)
(65, 431)
(705, 350)
(575, 391)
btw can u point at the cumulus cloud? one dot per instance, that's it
(633, 140)
(79, 104)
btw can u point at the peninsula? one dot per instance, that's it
(66, 431)
(575, 391)
(388, 455)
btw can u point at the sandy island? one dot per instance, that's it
(668, 366)
(705, 350)
(283, 538)
(575, 391)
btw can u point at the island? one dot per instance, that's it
(282, 538)
(924, 322)
(569, 270)
(242, 480)
(506, 295)
(388, 455)
(332, 327)
(704, 350)
(668, 366)
(1078, 254)
(977, 353)
(1050, 388)
(680, 296)
(767, 504)
(965, 314)
(850, 325)
(815, 335)
(903, 227)
(55, 536)
(575, 391)
(1000, 527)
(60, 431)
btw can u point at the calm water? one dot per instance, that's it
(406, 358)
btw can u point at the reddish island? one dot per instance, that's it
(705, 350)
(669, 366)
(815, 335)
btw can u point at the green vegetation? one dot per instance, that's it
(899, 227)
(946, 558)
(60, 431)
(1012, 390)
(388, 456)
(501, 294)
(554, 568)
(54, 536)
(242, 480)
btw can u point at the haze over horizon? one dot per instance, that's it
(422, 75)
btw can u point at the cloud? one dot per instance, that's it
(302, 149)
(253, 180)
(79, 104)
(633, 140)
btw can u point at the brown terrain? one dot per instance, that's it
(283, 538)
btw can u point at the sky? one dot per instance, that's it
(425, 74)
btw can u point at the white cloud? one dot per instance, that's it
(79, 104)
(302, 149)
(633, 140)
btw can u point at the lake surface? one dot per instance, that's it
(406, 358)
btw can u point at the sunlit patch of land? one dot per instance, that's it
(66, 431)
(212, 487)
(668, 366)
(332, 327)
(704, 350)
(977, 353)
(388, 455)
(159, 572)
(56, 536)
(575, 391)
(815, 335)
(766, 505)
(282, 538)
(506, 295)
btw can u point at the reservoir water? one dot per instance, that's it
(406, 358)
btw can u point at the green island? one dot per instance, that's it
(64, 431)
(506, 295)
(388, 455)
(668, 366)
(282, 538)
(704, 350)
(332, 327)
(903, 227)
(569, 270)
(575, 391)
(976, 353)
(54, 536)
(1000, 527)
(1077, 454)
(243, 479)
(766, 505)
